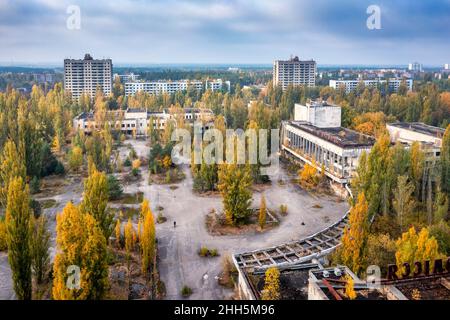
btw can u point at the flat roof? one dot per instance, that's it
(420, 127)
(342, 137)
(428, 289)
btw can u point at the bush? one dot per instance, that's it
(283, 209)
(35, 185)
(133, 154)
(441, 232)
(203, 252)
(161, 219)
(49, 161)
(127, 162)
(380, 251)
(36, 207)
(115, 190)
(186, 291)
(135, 172)
(59, 168)
(136, 164)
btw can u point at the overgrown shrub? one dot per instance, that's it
(115, 190)
(186, 291)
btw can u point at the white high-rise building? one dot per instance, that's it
(415, 67)
(84, 76)
(295, 72)
(447, 66)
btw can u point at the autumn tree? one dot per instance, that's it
(19, 229)
(271, 289)
(129, 241)
(417, 166)
(412, 247)
(117, 231)
(75, 158)
(308, 176)
(350, 288)
(40, 245)
(262, 213)
(375, 176)
(95, 200)
(403, 202)
(354, 239)
(147, 238)
(80, 243)
(11, 166)
(235, 183)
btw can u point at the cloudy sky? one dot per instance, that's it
(226, 31)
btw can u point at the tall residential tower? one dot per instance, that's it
(294, 71)
(84, 76)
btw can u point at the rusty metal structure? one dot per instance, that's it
(295, 252)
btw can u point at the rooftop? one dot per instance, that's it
(342, 137)
(427, 289)
(420, 127)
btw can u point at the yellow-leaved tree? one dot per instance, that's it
(308, 176)
(82, 256)
(271, 289)
(117, 231)
(350, 288)
(147, 237)
(95, 200)
(412, 247)
(262, 213)
(354, 240)
(19, 221)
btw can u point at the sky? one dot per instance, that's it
(225, 31)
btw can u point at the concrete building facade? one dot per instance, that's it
(294, 72)
(428, 136)
(86, 75)
(316, 137)
(138, 121)
(170, 87)
(351, 85)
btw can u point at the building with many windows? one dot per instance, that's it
(294, 72)
(428, 136)
(317, 138)
(415, 67)
(351, 85)
(138, 121)
(84, 76)
(217, 85)
(170, 87)
(160, 87)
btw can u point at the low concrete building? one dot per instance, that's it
(351, 85)
(408, 132)
(138, 121)
(316, 137)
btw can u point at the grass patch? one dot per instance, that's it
(47, 204)
(129, 198)
(127, 213)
